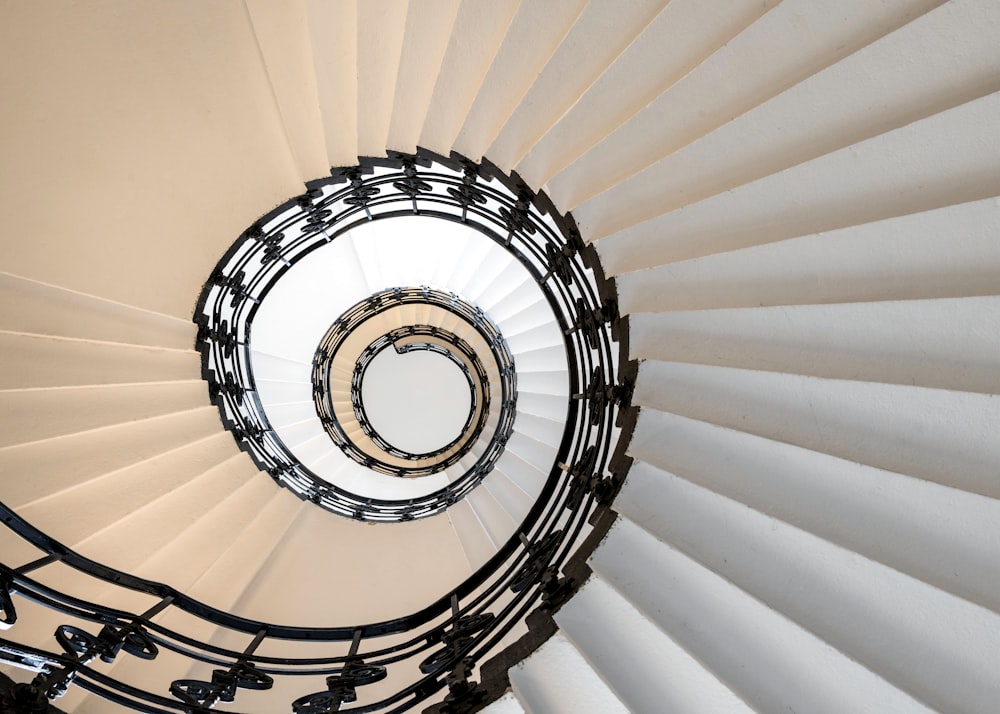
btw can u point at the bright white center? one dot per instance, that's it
(417, 401)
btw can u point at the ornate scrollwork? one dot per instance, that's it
(341, 688)
(223, 687)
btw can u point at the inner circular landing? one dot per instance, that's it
(418, 401)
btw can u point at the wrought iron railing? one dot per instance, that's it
(429, 651)
(329, 355)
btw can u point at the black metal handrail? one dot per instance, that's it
(353, 318)
(445, 640)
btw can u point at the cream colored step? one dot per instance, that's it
(497, 522)
(282, 35)
(380, 43)
(68, 461)
(45, 413)
(516, 303)
(167, 114)
(573, 67)
(544, 359)
(771, 55)
(546, 430)
(901, 258)
(477, 32)
(931, 434)
(539, 454)
(527, 476)
(942, 344)
(195, 550)
(648, 670)
(514, 500)
(552, 382)
(939, 648)
(768, 660)
(904, 77)
(903, 171)
(549, 408)
(275, 391)
(493, 277)
(28, 306)
(512, 280)
(557, 679)
(941, 535)
(132, 541)
(464, 266)
(472, 534)
(533, 37)
(546, 335)
(418, 561)
(426, 39)
(33, 361)
(77, 512)
(524, 318)
(681, 36)
(281, 369)
(333, 38)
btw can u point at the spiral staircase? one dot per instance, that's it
(790, 215)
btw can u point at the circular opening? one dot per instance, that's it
(417, 401)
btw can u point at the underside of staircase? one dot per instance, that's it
(796, 204)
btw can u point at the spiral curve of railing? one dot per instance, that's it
(441, 645)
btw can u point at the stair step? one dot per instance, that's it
(498, 524)
(555, 382)
(532, 38)
(541, 455)
(380, 44)
(548, 407)
(49, 466)
(893, 174)
(871, 613)
(682, 36)
(132, 540)
(314, 556)
(545, 359)
(932, 434)
(283, 38)
(573, 67)
(224, 132)
(899, 258)
(333, 36)
(77, 512)
(906, 76)
(932, 532)
(481, 28)
(927, 343)
(472, 534)
(34, 361)
(508, 494)
(34, 414)
(546, 335)
(30, 306)
(767, 58)
(426, 38)
(557, 679)
(650, 672)
(273, 391)
(767, 660)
